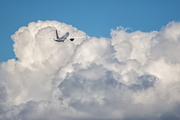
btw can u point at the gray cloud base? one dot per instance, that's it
(128, 76)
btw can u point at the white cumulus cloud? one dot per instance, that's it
(129, 76)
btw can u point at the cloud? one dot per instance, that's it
(129, 76)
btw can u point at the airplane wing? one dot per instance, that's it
(45, 37)
(72, 38)
(77, 37)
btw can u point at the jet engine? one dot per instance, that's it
(72, 39)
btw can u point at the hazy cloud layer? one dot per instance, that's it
(128, 76)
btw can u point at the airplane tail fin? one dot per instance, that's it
(57, 34)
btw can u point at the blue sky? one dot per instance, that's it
(95, 17)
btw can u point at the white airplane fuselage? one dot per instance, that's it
(61, 39)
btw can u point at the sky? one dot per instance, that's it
(127, 67)
(96, 18)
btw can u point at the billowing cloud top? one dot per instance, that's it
(128, 76)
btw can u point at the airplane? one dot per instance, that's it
(63, 38)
